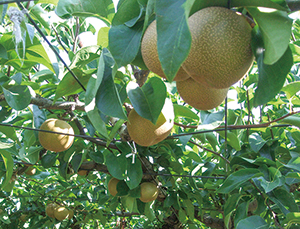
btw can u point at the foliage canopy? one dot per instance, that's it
(235, 166)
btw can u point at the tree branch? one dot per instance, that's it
(48, 104)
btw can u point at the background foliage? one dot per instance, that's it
(235, 166)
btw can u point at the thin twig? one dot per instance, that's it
(211, 151)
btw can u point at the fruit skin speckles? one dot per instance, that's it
(56, 142)
(144, 132)
(112, 186)
(200, 96)
(221, 51)
(149, 192)
(150, 54)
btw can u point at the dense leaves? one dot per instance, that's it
(236, 166)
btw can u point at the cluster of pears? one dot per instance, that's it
(54, 210)
(220, 55)
(149, 191)
(56, 142)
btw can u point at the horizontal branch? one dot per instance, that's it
(233, 127)
(44, 103)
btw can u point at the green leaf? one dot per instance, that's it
(124, 43)
(241, 212)
(39, 13)
(69, 86)
(294, 163)
(3, 52)
(275, 27)
(276, 180)
(292, 120)
(127, 11)
(102, 38)
(9, 166)
(173, 34)
(18, 97)
(291, 89)
(284, 200)
(38, 55)
(232, 139)
(85, 55)
(251, 222)
(256, 142)
(149, 212)
(189, 208)
(103, 9)
(48, 160)
(107, 98)
(182, 111)
(9, 132)
(116, 165)
(292, 218)
(230, 206)
(236, 179)
(92, 111)
(149, 99)
(271, 77)
(34, 54)
(134, 173)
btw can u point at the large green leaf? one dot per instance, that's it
(93, 85)
(271, 77)
(251, 222)
(103, 9)
(236, 179)
(183, 111)
(173, 35)
(292, 218)
(275, 27)
(230, 206)
(232, 139)
(124, 43)
(108, 99)
(149, 99)
(256, 142)
(9, 165)
(292, 120)
(18, 97)
(284, 200)
(275, 181)
(69, 86)
(10, 132)
(128, 11)
(116, 165)
(134, 173)
(41, 15)
(291, 89)
(34, 54)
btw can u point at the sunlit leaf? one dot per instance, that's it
(18, 97)
(173, 35)
(236, 179)
(124, 43)
(149, 99)
(275, 27)
(251, 222)
(103, 9)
